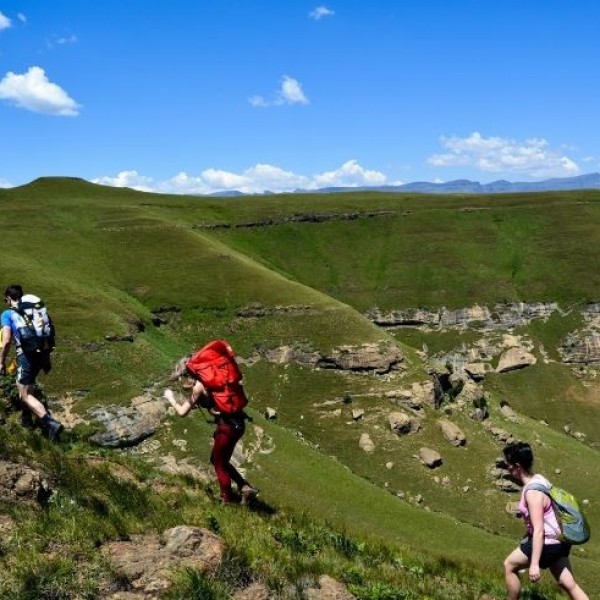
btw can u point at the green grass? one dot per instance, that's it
(105, 258)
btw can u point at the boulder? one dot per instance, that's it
(402, 423)
(270, 413)
(430, 458)
(515, 358)
(128, 426)
(452, 432)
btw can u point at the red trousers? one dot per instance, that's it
(225, 439)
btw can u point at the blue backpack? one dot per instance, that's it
(574, 528)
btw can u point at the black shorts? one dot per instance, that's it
(29, 366)
(550, 553)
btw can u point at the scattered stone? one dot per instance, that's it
(512, 508)
(446, 481)
(578, 435)
(418, 499)
(337, 412)
(465, 489)
(557, 471)
(500, 434)
(358, 413)
(452, 432)
(400, 494)
(270, 413)
(509, 413)
(366, 443)
(567, 429)
(507, 486)
(389, 465)
(430, 458)
(585, 502)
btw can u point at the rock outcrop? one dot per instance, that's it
(502, 316)
(21, 483)
(329, 589)
(379, 358)
(148, 561)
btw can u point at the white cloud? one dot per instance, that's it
(33, 91)
(319, 12)
(130, 179)
(5, 22)
(5, 184)
(532, 157)
(350, 174)
(290, 92)
(22, 17)
(254, 180)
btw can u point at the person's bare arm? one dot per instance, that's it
(535, 503)
(4, 348)
(183, 408)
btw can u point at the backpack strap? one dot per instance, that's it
(541, 487)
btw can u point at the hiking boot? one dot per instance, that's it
(248, 493)
(53, 430)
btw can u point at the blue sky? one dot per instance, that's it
(197, 97)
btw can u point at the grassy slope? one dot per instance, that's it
(110, 256)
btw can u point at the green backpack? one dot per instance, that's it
(574, 528)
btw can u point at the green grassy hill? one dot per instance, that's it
(162, 274)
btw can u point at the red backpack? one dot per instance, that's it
(216, 368)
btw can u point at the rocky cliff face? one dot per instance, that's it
(502, 316)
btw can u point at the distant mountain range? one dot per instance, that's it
(465, 186)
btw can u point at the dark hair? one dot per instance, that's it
(519, 454)
(14, 292)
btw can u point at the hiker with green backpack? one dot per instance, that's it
(554, 522)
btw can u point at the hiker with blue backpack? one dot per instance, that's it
(213, 380)
(26, 323)
(554, 522)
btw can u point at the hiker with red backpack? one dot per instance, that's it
(549, 537)
(214, 381)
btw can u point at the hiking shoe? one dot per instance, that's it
(248, 494)
(54, 428)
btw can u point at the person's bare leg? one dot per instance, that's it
(27, 397)
(513, 563)
(563, 573)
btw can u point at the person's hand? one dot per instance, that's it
(534, 574)
(169, 396)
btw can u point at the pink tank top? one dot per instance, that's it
(551, 526)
